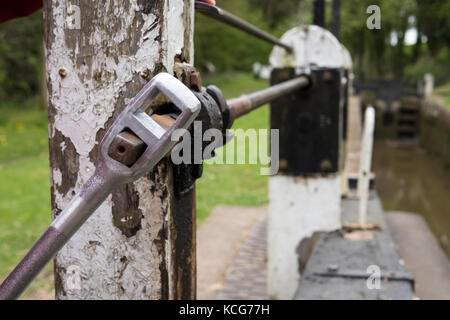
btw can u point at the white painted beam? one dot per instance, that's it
(298, 207)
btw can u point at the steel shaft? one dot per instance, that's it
(246, 103)
(93, 193)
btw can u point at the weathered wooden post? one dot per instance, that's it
(140, 243)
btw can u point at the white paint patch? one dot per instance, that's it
(191, 35)
(312, 45)
(174, 32)
(348, 63)
(56, 177)
(82, 105)
(298, 207)
(111, 266)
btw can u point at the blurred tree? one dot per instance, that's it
(397, 20)
(377, 52)
(276, 11)
(374, 52)
(21, 58)
(228, 48)
(433, 18)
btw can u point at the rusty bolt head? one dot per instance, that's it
(325, 165)
(327, 76)
(145, 73)
(284, 75)
(98, 75)
(126, 148)
(195, 81)
(283, 164)
(62, 72)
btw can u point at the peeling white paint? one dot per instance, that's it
(81, 106)
(174, 34)
(191, 38)
(298, 207)
(312, 45)
(57, 177)
(111, 266)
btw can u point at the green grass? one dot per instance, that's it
(24, 212)
(234, 184)
(25, 182)
(23, 133)
(24, 186)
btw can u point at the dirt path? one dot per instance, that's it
(218, 241)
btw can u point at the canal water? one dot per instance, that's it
(409, 179)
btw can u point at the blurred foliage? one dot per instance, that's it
(438, 66)
(21, 59)
(434, 22)
(375, 55)
(441, 96)
(277, 13)
(228, 49)
(225, 47)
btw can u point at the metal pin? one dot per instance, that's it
(62, 72)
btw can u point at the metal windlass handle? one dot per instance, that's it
(110, 172)
(137, 118)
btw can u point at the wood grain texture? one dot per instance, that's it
(125, 250)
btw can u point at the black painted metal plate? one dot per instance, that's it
(310, 123)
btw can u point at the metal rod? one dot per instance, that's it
(247, 103)
(60, 231)
(335, 22)
(319, 13)
(226, 17)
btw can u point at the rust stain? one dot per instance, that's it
(126, 215)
